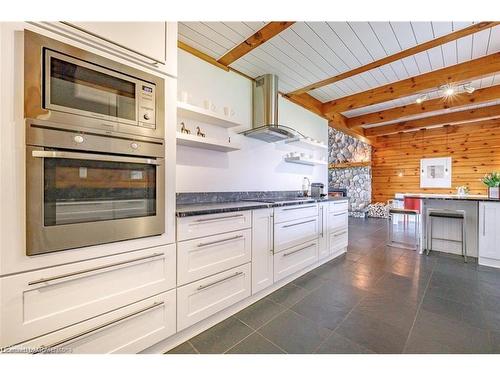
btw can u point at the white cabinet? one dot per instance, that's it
(203, 298)
(148, 39)
(36, 303)
(299, 211)
(323, 250)
(337, 241)
(489, 233)
(262, 249)
(190, 227)
(129, 329)
(295, 232)
(294, 259)
(208, 255)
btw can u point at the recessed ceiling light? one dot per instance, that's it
(421, 99)
(449, 90)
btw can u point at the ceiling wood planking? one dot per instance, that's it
(424, 36)
(200, 55)
(267, 32)
(456, 74)
(459, 100)
(471, 115)
(190, 33)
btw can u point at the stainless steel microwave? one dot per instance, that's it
(71, 86)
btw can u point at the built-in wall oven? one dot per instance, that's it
(94, 148)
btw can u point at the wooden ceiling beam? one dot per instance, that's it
(455, 74)
(339, 122)
(400, 55)
(453, 118)
(263, 35)
(459, 100)
(201, 55)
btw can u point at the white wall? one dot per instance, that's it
(258, 165)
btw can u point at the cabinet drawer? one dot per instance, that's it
(203, 298)
(337, 220)
(338, 240)
(323, 250)
(294, 259)
(294, 232)
(38, 302)
(207, 225)
(206, 256)
(338, 206)
(127, 330)
(295, 212)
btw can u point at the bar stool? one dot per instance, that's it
(447, 214)
(407, 213)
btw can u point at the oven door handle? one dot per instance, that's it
(96, 157)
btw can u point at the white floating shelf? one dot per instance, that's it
(206, 143)
(204, 115)
(307, 143)
(305, 161)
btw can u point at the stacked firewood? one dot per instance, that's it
(379, 210)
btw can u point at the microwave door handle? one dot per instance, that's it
(96, 157)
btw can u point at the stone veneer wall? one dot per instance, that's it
(343, 148)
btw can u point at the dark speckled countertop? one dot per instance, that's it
(216, 208)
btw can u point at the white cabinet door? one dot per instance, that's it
(262, 249)
(294, 259)
(295, 232)
(190, 227)
(337, 220)
(489, 230)
(337, 241)
(323, 231)
(207, 256)
(145, 38)
(127, 330)
(38, 302)
(203, 298)
(293, 212)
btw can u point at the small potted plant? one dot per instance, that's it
(462, 191)
(492, 180)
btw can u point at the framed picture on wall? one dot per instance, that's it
(435, 173)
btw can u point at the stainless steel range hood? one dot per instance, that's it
(265, 112)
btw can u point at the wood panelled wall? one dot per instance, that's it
(474, 148)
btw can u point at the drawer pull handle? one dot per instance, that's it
(340, 234)
(302, 222)
(45, 348)
(296, 251)
(69, 274)
(219, 241)
(297, 208)
(218, 218)
(340, 214)
(201, 287)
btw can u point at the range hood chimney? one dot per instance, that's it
(265, 112)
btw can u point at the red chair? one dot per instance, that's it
(412, 204)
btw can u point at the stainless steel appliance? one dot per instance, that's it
(317, 190)
(71, 86)
(90, 186)
(265, 112)
(341, 192)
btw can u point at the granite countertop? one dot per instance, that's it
(470, 197)
(216, 208)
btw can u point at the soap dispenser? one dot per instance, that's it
(306, 184)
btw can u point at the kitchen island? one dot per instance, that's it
(482, 225)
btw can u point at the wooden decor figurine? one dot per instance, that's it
(199, 132)
(184, 129)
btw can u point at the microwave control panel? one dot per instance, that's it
(147, 105)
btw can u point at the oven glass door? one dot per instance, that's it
(78, 189)
(76, 86)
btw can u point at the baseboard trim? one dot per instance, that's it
(188, 333)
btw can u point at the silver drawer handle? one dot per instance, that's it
(339, 214)
(296, 208)
(296, 251)
(339, 234)
(219, 241)
(302, 222)
(69, 274)
(219, 218)
(45, 348)
(201, 287)
(94, 157)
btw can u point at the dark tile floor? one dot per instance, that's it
(375, 299)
